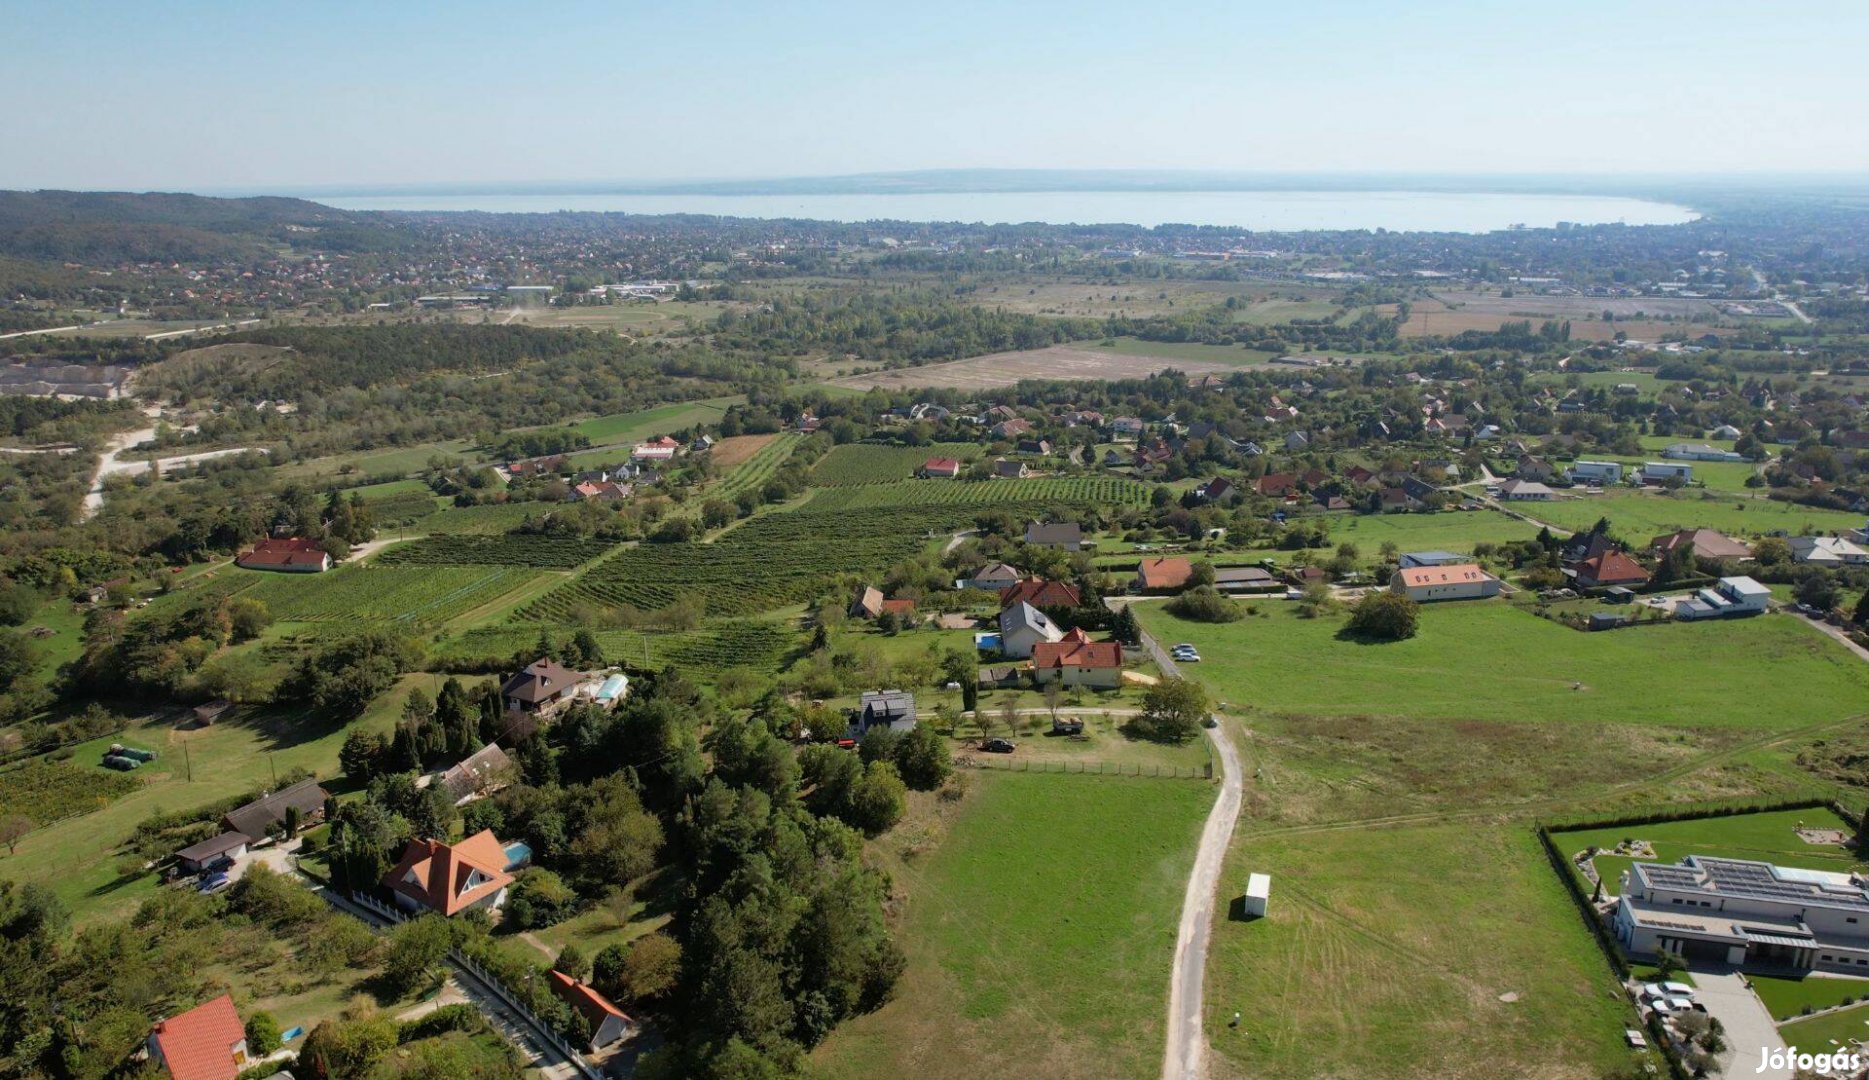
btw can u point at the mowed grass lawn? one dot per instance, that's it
(1788, 997)
(1824, 1033)
(1486, 659)
(1641, 516)
(1040, 932)
(1385, 953)
(1770, 837)
(1448, 530)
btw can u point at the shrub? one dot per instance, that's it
(1384, 616)
(1204, 604)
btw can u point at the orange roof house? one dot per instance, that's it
(1157, 575)
(1459, 581)
(1078, 661)
(941, 466)
(1041, 593)
(290, 554)
(207, 1042)
(1610, 568)
(606, 1023)
(449, 878)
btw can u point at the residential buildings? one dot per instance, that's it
(1745, 913)
(269, 813)
(1460, 581)
(450, 878)
(1705, 544)
(292, 555)
(1431, 558)
(1022, 627)
(1163, 575)
(1731, 596)
(893, 709)
(995, 576)
(1595, 472)
(1665, 472)
(208, 1042)
(1041, 593)
(606, 1024)
(1075, 660)
(1700, 452)
(1525, 491)
(1609, 568)
(542, 686)
(1827, 551)
(1065, 536)
(940, 468)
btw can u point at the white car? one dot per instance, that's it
(1675, 989)
(1187, 656)
(1661, 1006)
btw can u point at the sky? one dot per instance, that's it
(216, 96)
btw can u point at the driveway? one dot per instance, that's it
(1748, 1024)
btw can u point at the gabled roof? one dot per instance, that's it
(256, 817)
(1612, 568)
(477, 771)
(941, 464)
(585, 1001)
(1072, 652)
(1025, 615)
(1415, 577)
(284, 553)
(199, 1044)
(1166, 573)
(868, 603)
(1039, 592)
(997, 571)
(1706, 544)
(448, 877)
(540, 680)
(1063, 532)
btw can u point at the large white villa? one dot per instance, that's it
(1745, 913)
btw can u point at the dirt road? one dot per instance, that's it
(109, 463)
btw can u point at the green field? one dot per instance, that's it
(1477, 659)
(49, 791)
(1641, 516)
(1385, 953)
(550, 552)
(757, 644)
(1183, 350)
(1826, 1033)
(1039, 931)
(861, 463)
(634, 427)
(1770, 837)
(1788, 998)
(752, 473)
(1092, 490)
(487, 520)
(1447, 530)
(361, 463)
(415, 595)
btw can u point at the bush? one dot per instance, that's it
(1204, 604)
(262, 1033)
(539, 898)
(1384, 616)
(1172, 711)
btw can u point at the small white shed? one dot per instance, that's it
(1258, 891)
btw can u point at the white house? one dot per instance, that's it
(1662, 472)
(1732, 596)
(1525, 491)
(1595, 472)
(1827, 551)
(1724, 431)
(1464, 581)
(1745, 913)
(1022, 627)
(1700, 452)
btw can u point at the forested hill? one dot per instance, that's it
(115, 227)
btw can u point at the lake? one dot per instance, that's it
(1276, 211)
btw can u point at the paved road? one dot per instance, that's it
(1184, 1058)
(1747, 1022)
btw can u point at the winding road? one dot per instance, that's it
(1187, 1043)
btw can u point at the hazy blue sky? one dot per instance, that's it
(205, 95)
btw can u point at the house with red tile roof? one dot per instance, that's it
(1041, 593)
(607, 1024)
(1275, 485)
(1610, 568)
(292, 555)
(208, 1042)
(450, 878)
(1457, 581)
(1163, 575)
(899, 608)
(1078, 661)
(942, 468)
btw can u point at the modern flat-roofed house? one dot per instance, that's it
(208, 1042)
(1245, 579)
(1705, 544)
(1610, 568)
(1431, 558)
(1595, 472)
(450, 878)
(1827, 551)
(1745, 913)
(1064, 535)
(1075, 660)
(607, 1024)
(542, 686)
(1731, 596)
(1700, 452)
(662, 449)
(1461, 581)
(1662, 472)
(291, 555)
(269, 813)
(1022, 627)
(1525, 491)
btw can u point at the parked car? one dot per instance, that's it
(997, 746)
(213, 883)
(1188, 657)
(1211, 721)
(1675, 989)
(225, 862)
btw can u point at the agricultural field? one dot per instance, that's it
(634, 427)
(1641, 516)
(1080, 299)
(49, 791)
(768, 562)
(398, 501)
(861, 463)
(513, 549)
(1446, 530)
(626, 318)
(361, 463)
(1094, 490)
(749, 472)
(487, 520)
(1081, 362)
(758, 644)
(415, 595)
(1039, 938)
